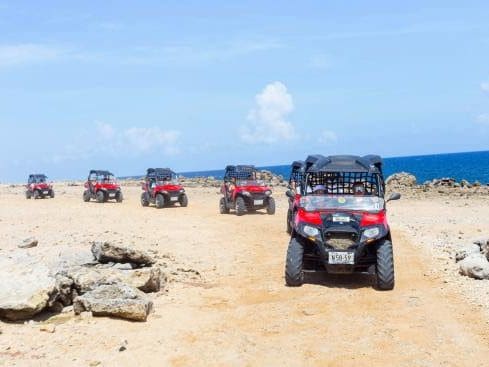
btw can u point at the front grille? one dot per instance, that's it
(258, 196)
(340, 241)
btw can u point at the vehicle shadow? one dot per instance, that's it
(348, 281)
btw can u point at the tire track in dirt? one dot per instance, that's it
(337, 320)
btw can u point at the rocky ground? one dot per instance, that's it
(222, 298)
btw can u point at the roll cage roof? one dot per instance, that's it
(371, 164)
(100, 173)
(240, 172)
(38, 175)
(34, 177)
(338, 174)
(160, 173)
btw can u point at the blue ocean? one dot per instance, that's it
(471, 166)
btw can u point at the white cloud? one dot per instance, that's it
(267, 120)
(109, 140)
(483, 119)
(485, 87)
(327, 137)
(21, 54)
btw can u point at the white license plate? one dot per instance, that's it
(112, 195)
(341, 258)
(258, 202)
(341, 219)
(45, 192)
(174, 198)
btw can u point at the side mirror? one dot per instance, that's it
(290, 194)
(394, 196)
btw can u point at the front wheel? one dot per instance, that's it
(36, 194)
(271, 206)
(100, 196)
(240, 206)
(27, 194)
(289, 221)
(144, 199)
(294, 275)
(119, 197)
(183, 200)
(86, 196)
(223, 208)
(385, 266)
(160, 201)
(51, 194)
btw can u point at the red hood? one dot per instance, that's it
(41, 186)
(169, 187)
(107, 186)
(253, 188)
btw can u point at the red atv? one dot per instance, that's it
(341, 223)
(38, 188)
(243, 192)
(294, 192)
(161, 187)
(102, 186)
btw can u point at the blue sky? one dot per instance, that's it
(195, 85)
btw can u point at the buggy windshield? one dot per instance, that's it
(345, 202)
(251, 183)
(103, 178)
(39, 179)
(167, 181)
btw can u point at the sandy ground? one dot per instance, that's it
(239, 313)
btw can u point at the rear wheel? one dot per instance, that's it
(51, 194)
(183, 200)
(144, 199)
(294, 275)
(160, 201)
(27, 194)
(100, 196)
(36, 195)
(240, 206)
(119, 197)
(271, 206)
(223, 208)
(385, 266)
(86, 196)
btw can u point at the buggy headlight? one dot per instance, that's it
(370, 234)
(182, 190)
(245, 193)
(310, 231)
(268, 193)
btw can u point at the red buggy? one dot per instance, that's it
(38, 188)
(243, 192)
(102, 186)
(162, 188)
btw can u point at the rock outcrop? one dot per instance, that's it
(86, 278)
(475, 266)
(26, 287)
(401, 179)
(30, 284)
(114, 300)
(105, 252)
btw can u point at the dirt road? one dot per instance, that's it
(239, 313)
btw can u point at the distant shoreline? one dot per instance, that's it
(472, 166)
